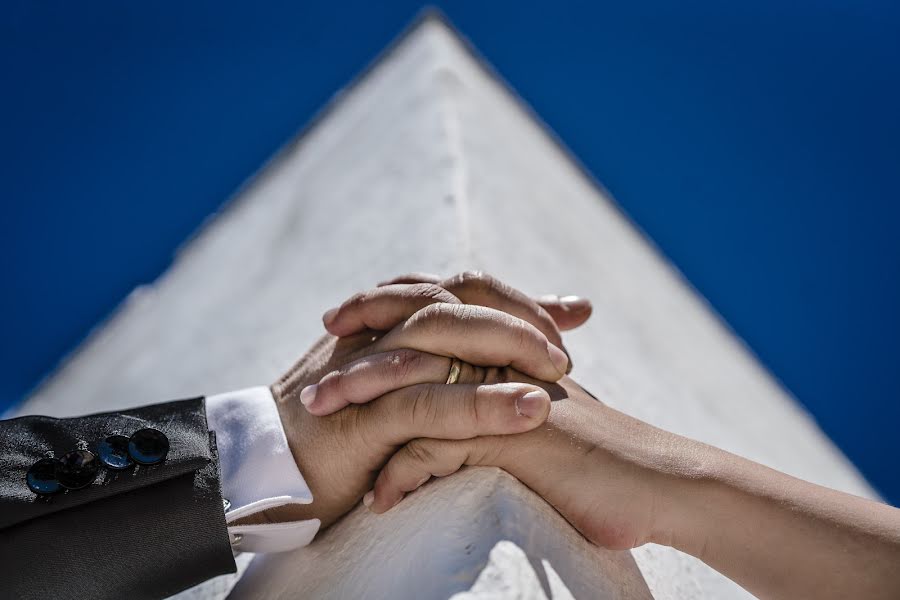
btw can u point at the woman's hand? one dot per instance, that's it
(622, 483)
(401, 337)
(608, 474)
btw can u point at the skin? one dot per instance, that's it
(623, 483)
(340, 452)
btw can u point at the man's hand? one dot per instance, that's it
(403, 337)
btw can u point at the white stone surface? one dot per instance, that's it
(509, 573)
(468, 532)
(428, 163)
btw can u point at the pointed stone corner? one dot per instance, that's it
(477, 533)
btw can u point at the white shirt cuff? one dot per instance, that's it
(258, 471)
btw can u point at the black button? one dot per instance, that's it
(41, 477)
(148, 446)
(77, 469)
(113, 452)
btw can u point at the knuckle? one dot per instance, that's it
(332, 384)
(363, 425)
(424, 405)
(517, 331)
(496, 375)
(485, 451)
(356, 300)
(471, 374)
(467, 314)
(420, 450)
(523, 335)
(432, 291)
(348, 423)
(404, 363)
(440, 319)
(434, 319)
(464, 318)
(430, 313)
(471, 404)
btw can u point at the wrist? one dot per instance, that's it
(660, 475)
(313, 445)
(291, 421)
(689, 493)
(710, 501)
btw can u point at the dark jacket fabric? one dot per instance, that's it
(143, 532)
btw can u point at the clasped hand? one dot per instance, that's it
(377, 380)
(370, 416)
(388, 358)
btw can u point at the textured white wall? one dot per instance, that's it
(428, 163)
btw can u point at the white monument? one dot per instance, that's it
(430, 163)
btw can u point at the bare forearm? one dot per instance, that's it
(623, 482)
(781, 537)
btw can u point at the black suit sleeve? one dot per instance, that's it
(142, 532)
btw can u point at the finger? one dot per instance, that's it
(414, 464)
(412, 278)
(455, 411)
(480, 336)
(383, 307)
(475, 287)
(372, 376)
(567, 312)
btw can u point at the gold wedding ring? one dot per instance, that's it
(455, 366)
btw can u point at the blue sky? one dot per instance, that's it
(757, 143)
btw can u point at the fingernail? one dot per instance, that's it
(574, 303)
(329, 315)
(558, 358)
(531, 404)
(308, 395)
(369, 498)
